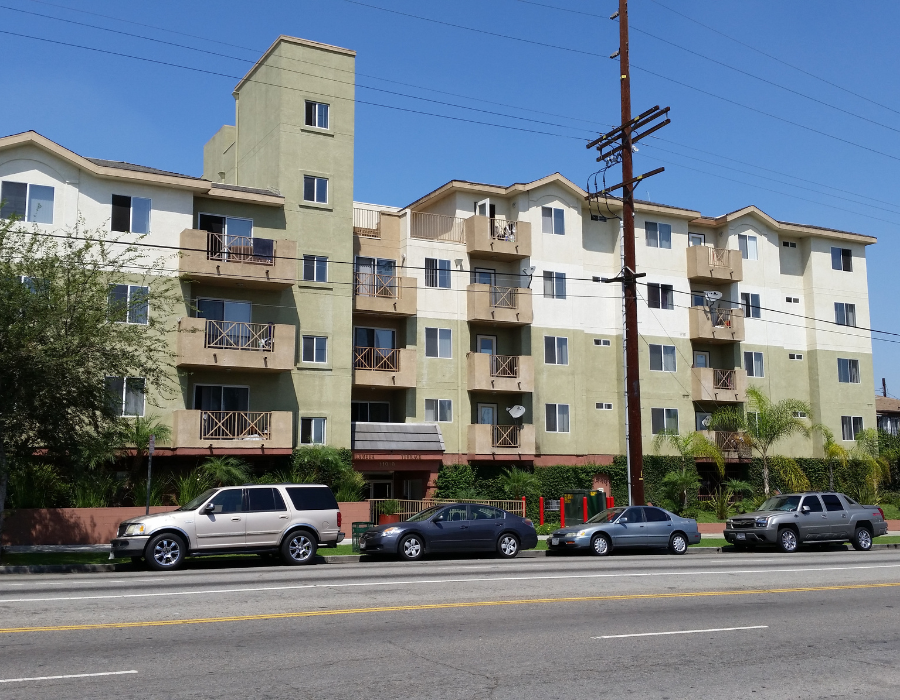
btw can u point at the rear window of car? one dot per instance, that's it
(265, 499)
(655, 515)
(832, 502)
(312, 498)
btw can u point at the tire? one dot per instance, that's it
(678, 543)
(299, 547)
(412, 548)
(862, 540)
(165, 552)
(787, 540)
(600, 546)
(508, 546)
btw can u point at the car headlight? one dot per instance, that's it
(581, 533)
(390, 532)
(762, 522)
(135, 529)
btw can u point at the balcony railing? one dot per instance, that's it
(721, 318)
(504, 297)
(503, 230)
(238, 335)
(378, 359)
(718, 257)
(235, 425)
(724, 379)
(505, 366)
(504, 436)
(220, 246)
(366, 222)
(732, 444)
(435, 227)
(368, 284)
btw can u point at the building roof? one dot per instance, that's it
(883, 404)
(396, 437)
(284, 38)
(783, 226)
(122, 165)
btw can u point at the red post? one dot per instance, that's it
(562, 512)
(584, 508)
(610, 502)
(541, 502)
(523, 508)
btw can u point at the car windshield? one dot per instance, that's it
(195, 503)
(606, 516)
(785, 503)
(423, 515)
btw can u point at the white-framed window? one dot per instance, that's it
(31, 203)
(553, 221)
(126, 395)
(662, 358)
(851, 426)
(795, 356)
(315, 268)
(747, 246)
(753, 422)
(696, 239)
(844, 314)
(603, 406)
(439, 343)
(556, 350)
(660, 296)
(751, 305)
(232, 231)
(554, 285)
(317, 114)
(658, 235)
(437, 273)
(753, 364)
(602, 342)
(370, 412)
(789, 244)
(129, 303)
(792, 300)
(130, 214)
(842, 259)
(438, 411)
(664, 419)
(557, 418)
(848, 371)
(315, 189)
(315, 348)
(312, 431)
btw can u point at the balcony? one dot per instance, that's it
(719, 385)
(237, 261)
(498, 239)
(732, 445)
(501, 439)
(384, 368)
(714, 265)
(716, 325)
(256, 347)
(366, 223)
(233, 429)
(500, 373)
(487, 303)
(436, 227)
(384, 294)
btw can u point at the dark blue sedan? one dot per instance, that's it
(453, 527)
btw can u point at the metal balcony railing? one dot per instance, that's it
(504, 435)
(503, 230)
(504, 366)
(435, 227)
(378, 359)
(368, 284)
(220, 246)
(721, 318)
(366, 222)
(718, 257)
(238, 335)
(235, 425)
(504, 297)
(724, 379)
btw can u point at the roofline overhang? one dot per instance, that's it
(284, 38)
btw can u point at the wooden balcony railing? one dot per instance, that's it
(220, 246)
(504, 297)
(718, 257)
(724, 379)
(368, 284)
(505, 366)
(721, 318)
(238, 335)
(378, 359)
(366, 222)
(435, 227)
(235, 425)
(505, 435)
(503, 230)
(732, 444)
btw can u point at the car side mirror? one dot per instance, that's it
(623, 520)
(804, 509)
(438, 519)
(209, 508)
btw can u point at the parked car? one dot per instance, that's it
(456, 527)
(792, 519)
(626, 527)
(290, 519)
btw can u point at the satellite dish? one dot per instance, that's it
(706, 421)
(529, 270)
(712, 297)
(516, 411)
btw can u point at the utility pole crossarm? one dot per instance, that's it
(603, 193)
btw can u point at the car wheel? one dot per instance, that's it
(508, 546)
(862, 540)
(412, 548)
(678, 543)
(165, 552)
(298, 548)
(600, 545)
(787, 540)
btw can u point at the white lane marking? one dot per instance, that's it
(71, 675)
(439, 581)
(659, 634)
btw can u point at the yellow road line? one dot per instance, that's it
(440, 606)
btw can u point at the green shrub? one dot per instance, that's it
(350, 487)
(158, 486)
(94, 490)
(36, 485)
(190, 485)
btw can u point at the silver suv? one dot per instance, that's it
(290, 519)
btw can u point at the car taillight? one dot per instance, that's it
(339, 518)
(880, 511)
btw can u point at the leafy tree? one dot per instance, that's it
(137, 434)
(834, 454)
(876, 466)
(318, 464)
(518, 483)
(679, 484)
(225, 471)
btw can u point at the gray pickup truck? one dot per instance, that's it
(790, 520)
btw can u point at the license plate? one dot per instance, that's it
(554, 540)
(741, 536)
(362, 545)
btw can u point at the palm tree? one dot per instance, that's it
(689, 447)
(517, 483)
(225, 471)
(138, 434)
(877, 466)
(833, 453)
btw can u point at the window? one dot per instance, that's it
(698, 299)
(747, 245)
(553, 221)
(792, 300)
(370, 412)
(602, 342)
(658, 235)
(813, 503)
(438, 411)
(789, 244)
(831, 501)
(437, 273)
(312, 498)
(315, 348)
(315, 189)
(848, 371)
(32, 203)
(126, 395)
(315, 268)
(800, 414)
(750, 304)
(316, 114)
(486, 513)
(557, 418)
(795, 356)
(556, 350)
(554, 285)
(655, 515)
(753, 364)
(228, 501)
(265, 500)
(662, 358)
(130, 214)
(844, 314)
(603, 406)
(438, 343)
(702, 420)
(312, 431)
(660, 296)
(842, 259)
(664, 419)
(696, 239)
(129, 303)
(231, 232)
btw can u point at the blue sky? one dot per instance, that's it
(114, 107)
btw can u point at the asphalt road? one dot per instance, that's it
(765, 625)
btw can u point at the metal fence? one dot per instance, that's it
(378, 359)
(235, 425)
(238, 335)
(503, 230)
(504, 366)
(368, 284)
(407, 508)
(435, 227)
(722, 318)
(366, 222)
(732, 444)
(220, 246)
